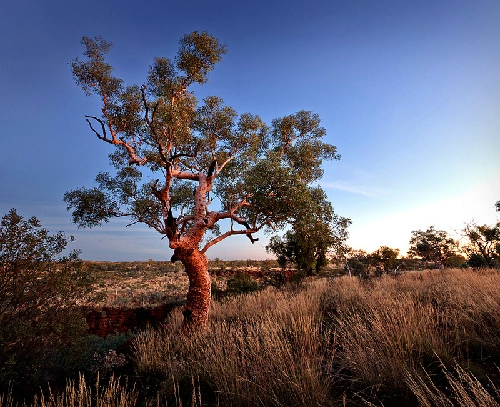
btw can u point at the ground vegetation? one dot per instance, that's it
(427, 338)
(38, 286)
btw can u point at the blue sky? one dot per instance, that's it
(408, 91)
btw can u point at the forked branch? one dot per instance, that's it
(218, 239)
(133, 158)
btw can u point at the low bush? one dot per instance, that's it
(38, 288)
(241, 283)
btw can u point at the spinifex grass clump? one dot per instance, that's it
(260, 349)
(342, 340)
(387, 327)
(464, 389)
(81, 394)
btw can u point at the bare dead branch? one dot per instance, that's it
(99, 136)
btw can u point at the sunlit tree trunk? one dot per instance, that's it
(199, 294)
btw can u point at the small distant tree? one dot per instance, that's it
(476, 261)
(172, 158)
(358, 263)
(37, 284)
(455, 260)
(314, 234)
(483, 244)
(432, 245)
(384, 259)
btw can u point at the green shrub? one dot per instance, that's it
(38, 287)
(241, 283)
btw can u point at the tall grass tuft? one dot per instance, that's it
(464, 389)
(6, 400)
(80, 394)
(262, 349)
(389, 326)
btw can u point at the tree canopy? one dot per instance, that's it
(483, 244)
(432, 245)
(173, 157)
(314, 234)
(384, 259)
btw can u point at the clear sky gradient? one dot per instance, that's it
(409, 92)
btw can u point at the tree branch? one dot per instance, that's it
(220, 167)
(150, 121)
(99, 136)
(227, 234)
(134, 159)
(185, 175)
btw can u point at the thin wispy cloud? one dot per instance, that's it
(355, 189)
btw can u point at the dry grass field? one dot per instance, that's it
(428, 338)
(152, 283)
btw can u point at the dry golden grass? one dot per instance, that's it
(260, 349)
(140, 291)
(418, 339)
(149, 284)
(389, 326)
(465, 389)
(80, 394)
(336, 341)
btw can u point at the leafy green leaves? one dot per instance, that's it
(91, 207)
(297, 138)
(162, 80)
(25, 241)
(94, 75)
(316, 230)
(198, 53)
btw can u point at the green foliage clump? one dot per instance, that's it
(432, 245)
(241, 283)
(38, 287)
(483, 245)
(316, 232)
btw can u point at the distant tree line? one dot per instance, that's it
(312, 243)
(432, 248)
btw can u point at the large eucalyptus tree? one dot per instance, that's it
(173, 158)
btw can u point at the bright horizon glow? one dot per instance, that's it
(450, 214)
(408, 92)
